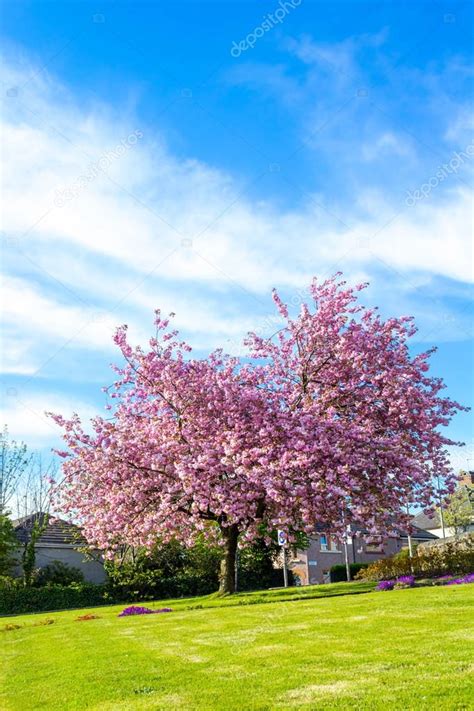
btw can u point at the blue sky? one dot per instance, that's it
(190, 156)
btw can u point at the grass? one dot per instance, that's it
(406, 649)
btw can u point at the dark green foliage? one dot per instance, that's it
(128, 583)
(169, 570)
(58, 573)
(172, 570)
(338, 572)
(8, 543)
(28, 558)
(21, 599)
(257, 567)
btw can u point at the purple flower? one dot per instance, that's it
(407, 580)
(137, 610)
(469, 578)
(386, 585)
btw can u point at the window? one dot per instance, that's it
(334, 546)
(324, 542)
(374, 548)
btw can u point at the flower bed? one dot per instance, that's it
(408, 581)
(460, 581)
(137, 610)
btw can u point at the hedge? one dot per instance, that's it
(338, 573)
(148, 585)
(18, 600)
(450, 557)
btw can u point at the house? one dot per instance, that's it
(434, 525)
(313, 564)
(60, 541)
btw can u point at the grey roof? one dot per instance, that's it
(57, 531)
(426, 523)
(420, 534)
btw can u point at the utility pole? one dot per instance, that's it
(441, 514)
(347, 530)
(410, 543)
(346, 556)
(285, 569)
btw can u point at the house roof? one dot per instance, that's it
(426, 523)
(57, 531)
(419, 533)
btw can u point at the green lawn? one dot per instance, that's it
(406, 649)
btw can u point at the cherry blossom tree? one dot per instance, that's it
(330, 421)
(364, 416)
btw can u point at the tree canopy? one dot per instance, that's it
(330, 421)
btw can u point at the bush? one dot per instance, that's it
(8, 583)
(256, 567)
(172, 570)
(19, 600)
(8, 544)
(126, 582)
(453, 557)
(338, 573)
(58, 573)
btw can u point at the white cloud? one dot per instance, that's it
(153, 230)
(387, 142)
(27, 422)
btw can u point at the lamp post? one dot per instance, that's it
(346, 557)
(441, 514)
(285, 568)
(410, 543)
(347, 530)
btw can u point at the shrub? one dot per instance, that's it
(142, 585)
(453, 557)
(8, 583)
(18, 600)
(338, 573)
(8, 544)
(172, 570)
(58, 573)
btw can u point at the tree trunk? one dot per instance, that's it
(227, 571)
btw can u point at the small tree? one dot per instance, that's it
(28, 557)
(8, 544)
(459, 513)
(14, 460)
